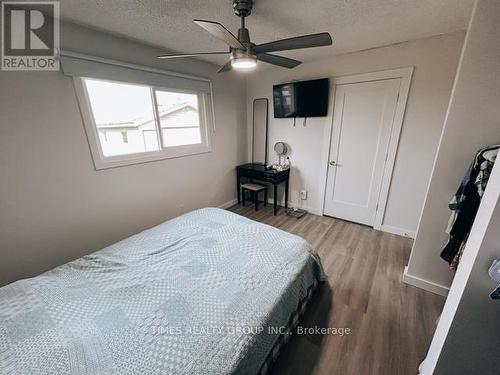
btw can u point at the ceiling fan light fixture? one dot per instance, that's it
(244, 62)
(244, 53)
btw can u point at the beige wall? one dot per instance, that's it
(473, 121)
(54, 206)
(467, 337)
(435, 60)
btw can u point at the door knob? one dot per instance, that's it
(332, 163)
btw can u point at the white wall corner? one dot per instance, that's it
(228, 204)
(424, 284)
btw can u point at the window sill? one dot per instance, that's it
(151, 156)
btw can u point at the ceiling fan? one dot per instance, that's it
(243, 53)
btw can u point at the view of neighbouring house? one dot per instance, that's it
(179, 126)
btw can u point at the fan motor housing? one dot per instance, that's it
(242, 8)
(244, 36)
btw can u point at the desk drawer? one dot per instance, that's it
(269, 175)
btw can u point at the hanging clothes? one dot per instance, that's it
(456, 259)
(465, 203)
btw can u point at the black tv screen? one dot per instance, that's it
(301, 99)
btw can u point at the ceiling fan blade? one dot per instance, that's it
(305, 41)
(220, 32)
(278, 60)
(226, 67)
(178, 55)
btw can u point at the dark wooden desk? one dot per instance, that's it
(259, 172)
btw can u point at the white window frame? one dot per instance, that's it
(205, 112)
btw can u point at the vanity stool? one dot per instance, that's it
(254, 189)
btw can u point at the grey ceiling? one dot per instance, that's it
(354, 24)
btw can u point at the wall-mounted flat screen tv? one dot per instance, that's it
(301, 99)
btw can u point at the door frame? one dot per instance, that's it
(405, 74)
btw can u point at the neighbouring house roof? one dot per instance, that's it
(124, 124)
(134, 124)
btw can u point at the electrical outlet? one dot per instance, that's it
(303, 195)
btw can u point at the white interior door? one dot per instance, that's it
(362, 123)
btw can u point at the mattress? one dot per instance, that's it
(206, 293)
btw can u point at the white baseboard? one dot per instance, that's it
(399, 231)
(317, 211)
(270, 201)
(232, 202)
(424, 284)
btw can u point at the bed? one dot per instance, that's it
(209, 292)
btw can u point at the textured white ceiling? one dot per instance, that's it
(354, 24)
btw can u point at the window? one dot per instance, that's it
(130, 123)
(124, 137)
(119, 111)
(179, 120)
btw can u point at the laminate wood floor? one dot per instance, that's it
(391, 323)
